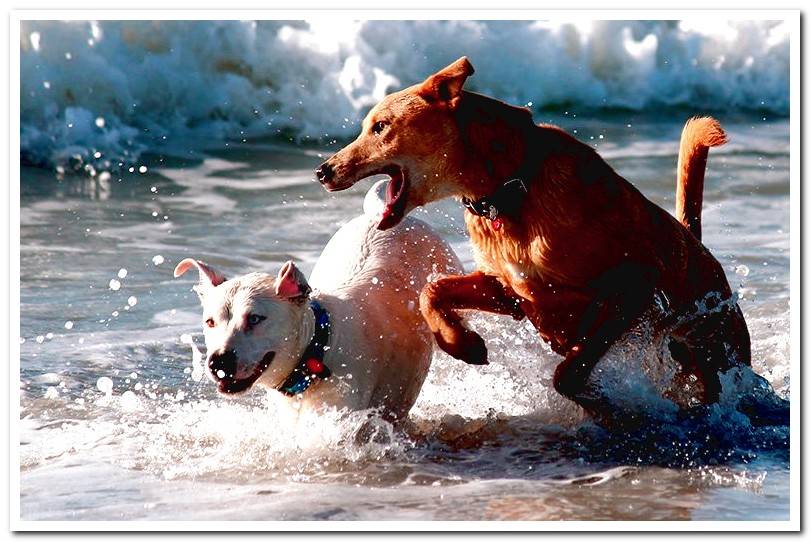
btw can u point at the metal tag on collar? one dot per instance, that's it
(494, 218)
(492, 212)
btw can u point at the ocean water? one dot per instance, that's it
(112, 424)
(121, 88)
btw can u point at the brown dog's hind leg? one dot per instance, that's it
(440, 299)
(623, 295)
(710, 345)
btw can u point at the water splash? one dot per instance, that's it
(212, 80)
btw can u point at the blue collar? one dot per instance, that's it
(311, 363)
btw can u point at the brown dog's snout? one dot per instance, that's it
(324, 173)
(223, 361)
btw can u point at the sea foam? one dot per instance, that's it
(96, 95)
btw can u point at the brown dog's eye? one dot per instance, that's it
(378, 127)
(210, 322)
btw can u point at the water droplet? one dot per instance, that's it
(105, 385)
(122, 273)
(115, 285)
(100, 122)
(220, 374)
(375, 280)
(142, 169)
(40, 339)
(742, 270)
(157, 259)
(132, 301)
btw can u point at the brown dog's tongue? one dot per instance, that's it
(388, 219)
(395, 202)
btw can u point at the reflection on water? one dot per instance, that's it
(99, 302)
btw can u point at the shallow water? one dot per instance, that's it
(489, 442)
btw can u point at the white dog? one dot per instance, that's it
(357, 341)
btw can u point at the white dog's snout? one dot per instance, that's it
(223, 364)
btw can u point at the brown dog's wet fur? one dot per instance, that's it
(585, 256)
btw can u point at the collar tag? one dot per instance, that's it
(506, 200)
(492, 213)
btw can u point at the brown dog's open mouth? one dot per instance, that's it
(396, 197)
(231, 386)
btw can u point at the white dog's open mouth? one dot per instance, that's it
(231, 386)
(396, 198)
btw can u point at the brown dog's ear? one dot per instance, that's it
(290, 282)
(208, 276)
(445, 86)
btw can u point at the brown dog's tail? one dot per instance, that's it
(699, 134)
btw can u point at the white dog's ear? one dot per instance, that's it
(445, 86)
(290, 282)
(208, 276)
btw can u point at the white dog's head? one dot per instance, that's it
(252, 324)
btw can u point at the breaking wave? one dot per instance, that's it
(97, 95)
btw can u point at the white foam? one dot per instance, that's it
(159, 84)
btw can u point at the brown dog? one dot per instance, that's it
(559, 236)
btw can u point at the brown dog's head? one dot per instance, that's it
(411, 136)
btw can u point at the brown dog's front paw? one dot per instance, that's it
(571, 375)
(468, 347)
(475, 351)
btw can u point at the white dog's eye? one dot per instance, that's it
(254, 319)
(210, 322)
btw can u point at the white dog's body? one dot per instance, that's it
(368, 281)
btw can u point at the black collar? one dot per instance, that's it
(505, 201)
(508, 198)
(311, 363)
